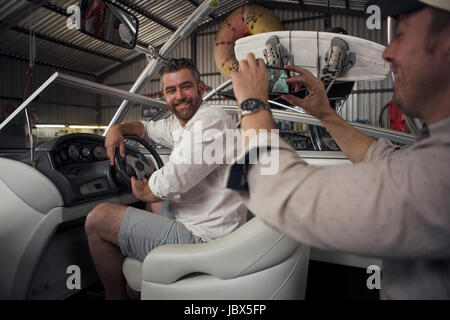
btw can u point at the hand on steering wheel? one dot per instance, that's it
(114, 140)
(133, 163)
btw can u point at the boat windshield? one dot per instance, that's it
(52, 116)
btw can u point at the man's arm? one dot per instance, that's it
(134, 127)
(365, 208)
(352, 142)
(141, 190)
(114, 137)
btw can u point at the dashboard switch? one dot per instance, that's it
(95, 186)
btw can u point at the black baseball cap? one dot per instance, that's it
(394, 8)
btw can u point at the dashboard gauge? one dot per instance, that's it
(85, 152)
(99, 152)
(74, 153)
(63, 155)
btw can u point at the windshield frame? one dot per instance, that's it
(61, 78)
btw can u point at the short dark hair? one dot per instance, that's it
(439, 23)
(174, 65)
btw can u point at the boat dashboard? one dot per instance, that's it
(77, 164)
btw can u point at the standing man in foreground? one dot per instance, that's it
(197, 207)
(391, 203)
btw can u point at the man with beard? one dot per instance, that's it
(197, 207)
(391, 203)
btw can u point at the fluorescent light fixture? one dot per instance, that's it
(87, 127)
(50, 126)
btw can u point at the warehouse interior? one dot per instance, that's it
(37, 30)
(37, 40)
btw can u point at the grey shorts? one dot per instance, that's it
(141, 231)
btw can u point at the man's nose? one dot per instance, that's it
(388, 52)
(179, 94)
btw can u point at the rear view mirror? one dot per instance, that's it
(108, 22)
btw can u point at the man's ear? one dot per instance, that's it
(202, 87)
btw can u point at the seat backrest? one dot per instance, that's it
(252, 247)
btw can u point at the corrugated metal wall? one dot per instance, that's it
(363, 107)
(57, 105)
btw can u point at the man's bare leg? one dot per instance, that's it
(102, 229)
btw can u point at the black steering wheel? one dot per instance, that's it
(134, 164)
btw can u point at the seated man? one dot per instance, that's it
(197, 208)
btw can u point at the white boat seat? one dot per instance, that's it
(253, 262)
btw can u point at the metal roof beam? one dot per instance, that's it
(112, 69)
(307, 7)
(45, 63)
(216, 20)
(195, 3)
(55, 8)
(147, 14)
(64, 43)
(21, 13)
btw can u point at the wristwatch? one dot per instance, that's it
(252, 105)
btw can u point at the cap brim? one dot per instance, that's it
(394, 8)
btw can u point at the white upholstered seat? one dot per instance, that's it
(253, 262)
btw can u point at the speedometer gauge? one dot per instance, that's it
(85, 152)
(74, 153)
(99, 152)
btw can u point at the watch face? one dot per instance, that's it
(250, 104)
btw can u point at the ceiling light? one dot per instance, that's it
(87, 127)
(50, 126)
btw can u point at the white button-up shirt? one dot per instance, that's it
(193, 185)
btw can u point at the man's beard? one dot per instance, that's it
(194, 104)
(417, 85)
(407, 103)
(411, 94)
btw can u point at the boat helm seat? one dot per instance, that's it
(253, 262)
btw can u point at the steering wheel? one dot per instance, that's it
(134, 164)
